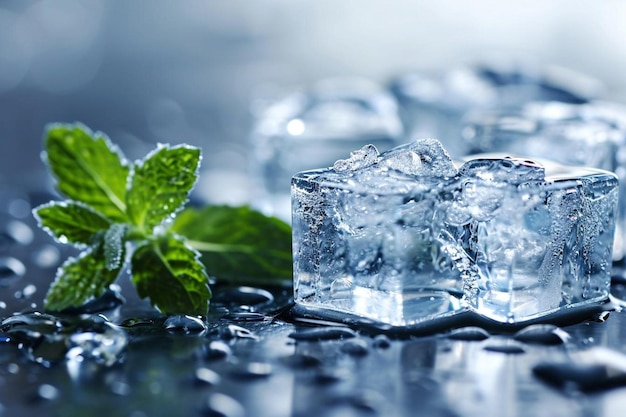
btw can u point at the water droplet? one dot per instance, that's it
(30, 326)
(253, 370)
(330, 375)
(19, 232)
(185, 324)
(47, 256)
(365, 403)
(601, 317)
(47, 392)
(236, 332)
(10, 270)
(470, 333)
(507, 348)
(221, 405)
(355, 347)
(300, 360)
(120, 388)
(381, 341)
(243, 316)
(13, 368)
(49, 351)
(542, 334)
(103, 348)
(217, 350)
(589, 370)
(139, 322)
(323, 333)
(29, 291)
(19, 208)
(206, 376)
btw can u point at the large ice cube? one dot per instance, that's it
(312, 129)
(593, 134)
(509, 239)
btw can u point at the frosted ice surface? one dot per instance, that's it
(359, 159)
(423, 157)
(505, 170)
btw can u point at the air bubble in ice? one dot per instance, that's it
(423, 157)
(361, 158)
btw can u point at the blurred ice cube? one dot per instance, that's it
(432, 105)
(314, 128)
(510, 239)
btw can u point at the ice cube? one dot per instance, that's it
(504, 238)
(592, 134)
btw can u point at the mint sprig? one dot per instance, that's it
(113, 206)
(122, 214)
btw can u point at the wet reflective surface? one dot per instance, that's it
(252, 357)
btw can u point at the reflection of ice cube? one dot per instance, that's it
(510, 239)
(592, 134)
(432, 105)
(313, 128)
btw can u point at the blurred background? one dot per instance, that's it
(197, 71)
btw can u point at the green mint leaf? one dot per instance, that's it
(161, 183)
(170, 274)
(80, 279)
(239, 244)
(88, 168)
(71, 222)
(114, 246)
